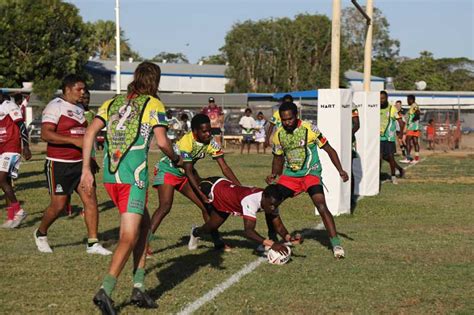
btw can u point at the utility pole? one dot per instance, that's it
(117, 47)
(368, 47)
(335, 43)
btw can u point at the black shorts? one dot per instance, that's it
(216, 131)
(62, 178)
(387, 149)
(247, 138)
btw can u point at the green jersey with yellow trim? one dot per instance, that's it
(190, 150)
(388, 126)
(413, 123)
(300, 149)
(129, 122)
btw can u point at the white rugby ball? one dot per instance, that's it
(275, 258)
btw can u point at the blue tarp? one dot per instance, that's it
(311, 94)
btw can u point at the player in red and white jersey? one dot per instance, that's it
(13, 135)
(63, 127)
(227, 199)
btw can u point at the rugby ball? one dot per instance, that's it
(275, 258)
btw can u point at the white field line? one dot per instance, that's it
(209, 296)
(248, 268)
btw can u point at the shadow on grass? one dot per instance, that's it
(321, 236)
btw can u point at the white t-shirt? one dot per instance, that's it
(247, 124)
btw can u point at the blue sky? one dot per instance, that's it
(198, 27)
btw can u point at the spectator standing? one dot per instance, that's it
(248, 125)
(173, 126)
(216, 116)
(430, 133)
(260, 133)
(400, 132)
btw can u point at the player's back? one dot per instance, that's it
(228, 197)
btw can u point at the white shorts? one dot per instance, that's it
(260, 140)
(10, 163)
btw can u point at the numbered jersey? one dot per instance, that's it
(388, 126)
(10, 115)
(236, 200)
(68, 120)
(413, 118)
(300, 149)
(192, 151)
(129, 123)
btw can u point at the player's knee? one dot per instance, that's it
(129, 238)
(164, 208)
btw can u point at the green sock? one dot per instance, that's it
(335, 241)
(139, 279)
(109, 284)
(92, 241)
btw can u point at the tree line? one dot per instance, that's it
(42, 41)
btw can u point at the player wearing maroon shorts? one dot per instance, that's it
(297, 167)
(228, 199)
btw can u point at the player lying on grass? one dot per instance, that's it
(296, 167)
(192, 147)
(227, 199)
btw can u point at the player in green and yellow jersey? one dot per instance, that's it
(413, 129)
(192, 147)
(131, 122)
(296, 167)
(388, 131)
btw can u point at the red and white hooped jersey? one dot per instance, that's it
(10, 115)
(236, 200)
(69, 121)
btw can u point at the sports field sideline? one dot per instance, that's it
(408, 250)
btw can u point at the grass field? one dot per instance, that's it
(409, 250)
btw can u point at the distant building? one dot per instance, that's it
(184, 78)
(189, 78)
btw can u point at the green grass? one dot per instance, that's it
(409, 250)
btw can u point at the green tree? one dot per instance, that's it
(281, 54)
(103, 43)
(41, 41)
(219, 59)
(424, 68)
(170, 57)
(354, 29)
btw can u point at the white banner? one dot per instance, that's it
(335, 123)
(366, 167)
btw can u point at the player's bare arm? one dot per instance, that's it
(194, 180)
(268, 133)
(335, 161)
(87, 177)
(165, 146)
(227, 171)
(250, 233)
(401, 123)
(49, 134)
(277, 168)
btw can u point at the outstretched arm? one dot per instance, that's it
(165, 145)
(335, 160)
(250, 233)
(227, 171)
(193, 178)
(277, 168)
